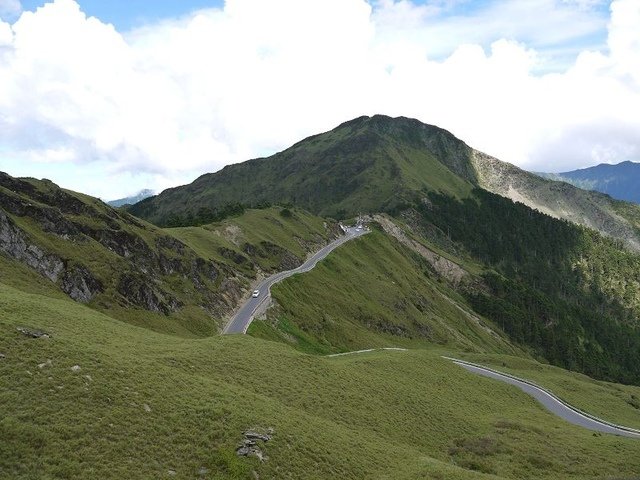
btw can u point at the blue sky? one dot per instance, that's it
(549, 85)
(127, 14)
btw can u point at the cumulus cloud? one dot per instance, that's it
(164, 103)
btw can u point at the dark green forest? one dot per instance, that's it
(565, 291)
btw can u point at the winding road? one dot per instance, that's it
(245, 315)
(551, 402)
(243, 318)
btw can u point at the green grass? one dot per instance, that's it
(365, 165)
(385, 415)
(82, 231)
(374, 292)
(298, 234)
(105, 227)
(153, 396)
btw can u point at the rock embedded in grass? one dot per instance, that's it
(252, 435)
(249, 446)
(45, 364)
(33, 333)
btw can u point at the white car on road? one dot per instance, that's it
(256, 293)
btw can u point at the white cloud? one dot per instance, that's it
(165, 103)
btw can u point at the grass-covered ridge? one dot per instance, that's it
(268, 239)
(183, 281)
(562, 293)
(375, 164)
(365, 165)
(375, 292)
(144, 405)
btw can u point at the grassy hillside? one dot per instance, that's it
(365, 165)
(373, 292)
(559, 292)
(378, 164)
(269, 239)
(182, 281)
(611, 401)
(108, 259)
(148, 405)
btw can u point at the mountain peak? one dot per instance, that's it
(141, 195)
(381, 164)
(369, 163)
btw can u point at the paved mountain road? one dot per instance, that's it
(552, 403)
(243, 318)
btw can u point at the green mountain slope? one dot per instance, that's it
(367, 164)
(591, 209)
(374, 292)
(59, 242)
(376, 164)
(564, 293)
(104, 399)
(457, 271)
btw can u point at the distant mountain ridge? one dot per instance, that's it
(141, 195)
(621, 180)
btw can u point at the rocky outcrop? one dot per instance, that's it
(80, 284)
(557, 199)
(81, 221)
(14, 242)
(251, 443)
(141, 293)
(286, 259)
(234, 256)
(27, 332)
(77, 281)
(451, 271)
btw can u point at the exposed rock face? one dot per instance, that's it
(249, 446)
(140, 293)
(557, 199)
(264, 249)
(443, 266)
(80, 284)
(76, 281)
(33, 333)
(234, 256)
(149, 259)
(14, 243)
